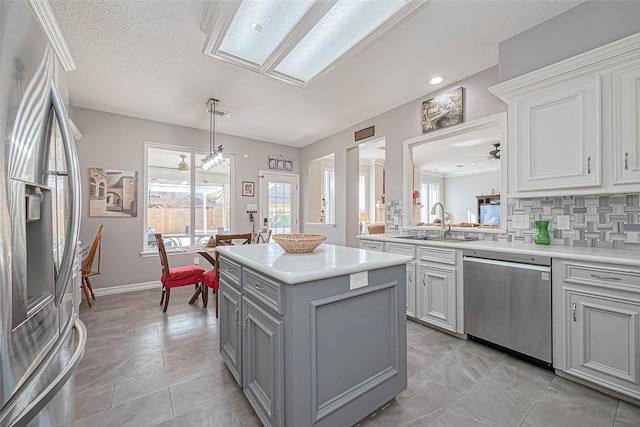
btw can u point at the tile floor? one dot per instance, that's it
(143, 367)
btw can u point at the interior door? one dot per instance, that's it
(279, 201)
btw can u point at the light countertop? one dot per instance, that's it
(602, 255)
(324, 262)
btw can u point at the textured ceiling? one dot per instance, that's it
(144, 59)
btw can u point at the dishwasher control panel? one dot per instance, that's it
(509, 257)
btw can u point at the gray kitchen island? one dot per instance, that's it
(314, 339)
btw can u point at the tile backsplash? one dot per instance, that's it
(609, 221)
(393, 217)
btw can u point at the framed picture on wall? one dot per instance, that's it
(443, 110)
(113, 193)
(248, 188)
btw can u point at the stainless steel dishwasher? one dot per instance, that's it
(507, 302)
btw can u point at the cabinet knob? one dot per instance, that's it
(236, 317)
(589, 164)
(573, 312)
(244, 324)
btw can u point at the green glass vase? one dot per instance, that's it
(542, 233)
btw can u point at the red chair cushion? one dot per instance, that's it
(182, 276)
(209, 279)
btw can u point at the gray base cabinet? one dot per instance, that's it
(230, 302)
(263, 363)
(320, 353)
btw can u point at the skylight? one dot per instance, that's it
(297, 40)
(346, 23)
(259, 27)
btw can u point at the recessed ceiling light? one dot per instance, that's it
(436, 80)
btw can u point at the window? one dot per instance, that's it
(329, 195)
(429, 194)
(362, 192)
(185, 205)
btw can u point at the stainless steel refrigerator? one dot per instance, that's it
(41, 338)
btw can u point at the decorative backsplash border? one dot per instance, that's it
(609, 221)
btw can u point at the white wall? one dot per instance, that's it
(115, 141)
(395, 126)
(461, 191)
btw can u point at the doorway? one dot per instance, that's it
(279, 198)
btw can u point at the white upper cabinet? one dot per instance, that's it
(626, 123)
(574, 126)
(557, 134)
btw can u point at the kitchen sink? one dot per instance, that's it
(440, 239)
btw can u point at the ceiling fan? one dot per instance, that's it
(493, 154)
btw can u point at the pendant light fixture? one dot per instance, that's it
(216, 155)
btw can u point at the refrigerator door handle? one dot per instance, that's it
(36, 404)
(73, 228)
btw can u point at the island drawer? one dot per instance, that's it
(229, 270)
(436, 254)
(400, 248)
(264, 290)
(372, 246)
(601, 275)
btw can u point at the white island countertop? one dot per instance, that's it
(324, 262)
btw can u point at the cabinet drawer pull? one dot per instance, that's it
(589, 164)
(236, 317)
(626, 161)
(410, 278)
(258, 287)
(573, 311)
(229, 269)
(597, 276)
(372, 246)
(424, 283)
(244, 324)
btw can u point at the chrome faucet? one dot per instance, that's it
(433, 212)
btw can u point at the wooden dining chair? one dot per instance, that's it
(87, 266)
(211, 278)
(263, 236)
(177, 276)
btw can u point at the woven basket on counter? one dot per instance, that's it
(301, 243)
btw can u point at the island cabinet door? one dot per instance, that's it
(437, 296)
(603, 340)
(263, 363)
(230, 330)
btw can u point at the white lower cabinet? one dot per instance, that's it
(597, 325)
(406, 249)
(437, 296)
(411, 289)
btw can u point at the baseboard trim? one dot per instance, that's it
(126, 288)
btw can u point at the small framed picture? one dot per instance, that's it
(288, 165)
(273, 163)
(247, 188)
(280, 165)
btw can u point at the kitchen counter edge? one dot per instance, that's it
(602, 255)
